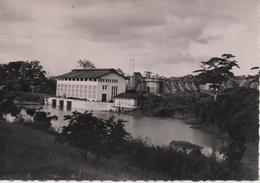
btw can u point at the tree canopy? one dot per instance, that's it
(90, 133)
(86, 64)
(22, 70)
(216, 70)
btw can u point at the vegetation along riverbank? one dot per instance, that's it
(233, 116)
(93, 148)
(103, 143)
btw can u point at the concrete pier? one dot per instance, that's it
(79, 104)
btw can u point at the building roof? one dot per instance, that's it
(128, 95)
(89, 73)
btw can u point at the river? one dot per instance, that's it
(156, 130)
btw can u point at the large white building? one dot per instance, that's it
(91, 84)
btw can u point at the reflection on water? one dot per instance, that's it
(158, 131)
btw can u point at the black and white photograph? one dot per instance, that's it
(129, 90)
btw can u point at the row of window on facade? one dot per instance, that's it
(82, 79)
(81, 91)
(109, 80)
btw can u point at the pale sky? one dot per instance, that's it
(169, 37)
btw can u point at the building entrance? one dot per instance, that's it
(104, 97)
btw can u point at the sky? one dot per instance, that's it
(168, 37)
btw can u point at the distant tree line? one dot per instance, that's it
(22, 70)
(26, 76)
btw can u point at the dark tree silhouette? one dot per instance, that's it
(86, 64)
(216, 71)
(90, 133)
(254, 68)
(22, 70)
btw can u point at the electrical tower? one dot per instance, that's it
(131, 65)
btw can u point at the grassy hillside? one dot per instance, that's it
(26, 153)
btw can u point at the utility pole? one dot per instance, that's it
(131, 63)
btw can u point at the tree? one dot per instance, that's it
(254, 78)
(86, 64)
(32, 70)
(254, 68)
(7, 105)
(42, 120)
(216, 71)
(22, 70)
(90, 133)
(233, 150)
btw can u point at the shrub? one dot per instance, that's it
(90, 133)
(42, 120)
(7, 106)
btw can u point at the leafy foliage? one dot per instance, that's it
(7, 106)
(170, 104)
(26, 76)
(42, 120)
(179, 165)
(216, 70)
(90, 133)
(22, 70)
(86, 64)
(235, 112)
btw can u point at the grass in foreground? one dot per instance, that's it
(29, 154)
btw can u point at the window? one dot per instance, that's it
(94, 92)
(104, 87)
(81, 91)
(113, 92)
(85, 91)
(69, 90)
(65, 89)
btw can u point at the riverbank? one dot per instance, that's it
(249, 159)
(252, 155)
(28, 154)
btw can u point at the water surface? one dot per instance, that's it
(157, 130)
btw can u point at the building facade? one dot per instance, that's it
(148, 82)
(126, 101)
(91, 84)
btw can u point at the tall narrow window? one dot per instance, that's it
(113, 92)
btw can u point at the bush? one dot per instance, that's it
(7, 106)
(90, 133)
(41, 121)
(235, 112)
(178, 165)
(177, 162)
